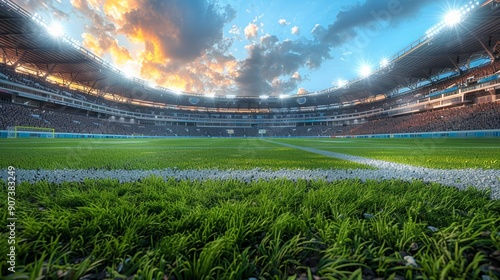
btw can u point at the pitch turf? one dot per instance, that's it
(433, 153)
(243, 153)
(275, 229)
(147, 154)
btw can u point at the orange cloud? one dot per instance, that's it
(116, 9)
(251, 31)
(302, 91)
(100, 46)
(180, 49)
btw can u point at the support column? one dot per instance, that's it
(492, 57)
(19, 59)
(455, 64)
(4, 56)
(49, 70)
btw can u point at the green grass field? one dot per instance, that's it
(160, 153)
(243, 153)
(229, 229)
(432, 153)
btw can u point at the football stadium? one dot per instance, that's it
(172, 142)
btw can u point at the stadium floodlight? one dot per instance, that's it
(55, 29)
(230, 96)
(283, 96)
(384, 63)
(212, 95)
(128, 72)
(341, 83)
(365, 71)
(453, 17)
(264, 96)
(152, 84)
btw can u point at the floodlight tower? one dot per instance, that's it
(365, 71)
(453, 18)
(55, 30)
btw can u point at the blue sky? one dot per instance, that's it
(243, 47)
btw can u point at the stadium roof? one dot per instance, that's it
(25, 40)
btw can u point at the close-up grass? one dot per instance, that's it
(149, 154)
(439, 153)
(155, 229)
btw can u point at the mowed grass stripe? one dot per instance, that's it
(161, 153)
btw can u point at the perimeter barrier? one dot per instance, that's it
(439, 134)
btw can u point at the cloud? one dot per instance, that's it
(257, 18)
(234, 30)
(36, 6)
(272, 66)
(302, 91)
(213, 72)
(251, 31)
(99, 36)
(318, 31)
(297, 76)
(268, 41)
(179, 30)
(295, 30)
(103, 45)
(182, 40)
(371, 16)
(283, 22)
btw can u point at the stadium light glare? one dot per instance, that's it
(128, 72)
(212, 95)
(365, 71)
(152, 84)
(453, 17)
(283, 96)
(55, 29)
(341, 83)
(384, 63)
(264, 96)
(230, 96)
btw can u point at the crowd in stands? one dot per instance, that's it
(19, 115)
(472, 117)
(462, 80)
(36, 82)
(12, 115)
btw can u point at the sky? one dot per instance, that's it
(250, 48)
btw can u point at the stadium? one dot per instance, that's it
(392, 174)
